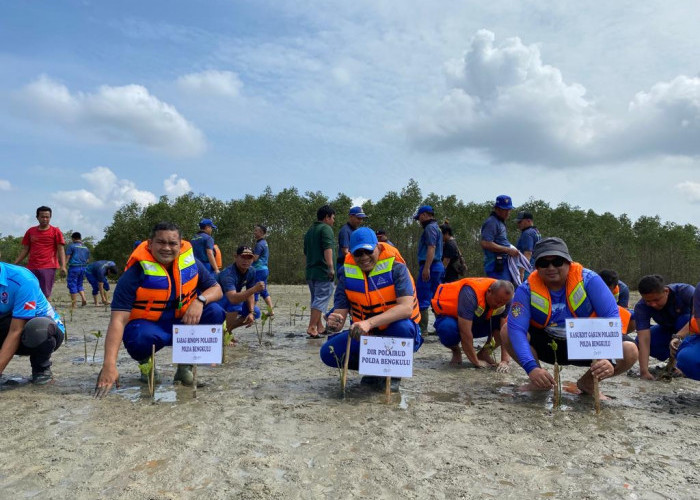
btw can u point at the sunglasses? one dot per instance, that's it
(556, 262)
(361, 252)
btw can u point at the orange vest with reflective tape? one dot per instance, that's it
(373, 293)
(446, 299)
(153, 295)
(576, 297)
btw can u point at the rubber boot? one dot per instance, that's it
(184, 375)
(424, 318)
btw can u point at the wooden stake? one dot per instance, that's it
(596, 395)
(557, 385)
(194, 381)
(387, 390)
(344, 377)
(152, 375)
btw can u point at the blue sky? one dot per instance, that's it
(592, 103)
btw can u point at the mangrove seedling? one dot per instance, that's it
(98, 336)
(557, 375)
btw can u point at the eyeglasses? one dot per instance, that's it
(361, 252)
(545, 263)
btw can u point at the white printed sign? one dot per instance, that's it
(594, 338)
(197, 344)
(386, 356)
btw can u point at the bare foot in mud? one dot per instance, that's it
(581, 387)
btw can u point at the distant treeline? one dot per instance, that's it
(598, 241)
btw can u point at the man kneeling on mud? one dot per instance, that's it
(375, 286)
(559, 289)
(163, 285)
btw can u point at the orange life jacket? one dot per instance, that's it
(153, 295)
(625, 317)
(217, 256)
(372, 294)
(446, 298)
(616, 293)
(576, 297)
(693, 326)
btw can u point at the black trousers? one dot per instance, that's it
(39, 356)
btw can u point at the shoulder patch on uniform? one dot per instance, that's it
(516, 309)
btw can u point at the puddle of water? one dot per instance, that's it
(162, 394)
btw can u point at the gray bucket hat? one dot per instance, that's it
(551, 247)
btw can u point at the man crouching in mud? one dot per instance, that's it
(559, 289)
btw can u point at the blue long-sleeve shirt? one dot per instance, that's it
(599, 294)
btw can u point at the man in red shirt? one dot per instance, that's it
(45, 246)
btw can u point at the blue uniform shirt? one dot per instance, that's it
(233, 279)
(623, 298)
(432, 236)
(77, 254)
(527, 240)
(493, 229)
(344, 241)
(200, 244)
(129, 282)
(263, 251)
(20, 294)
(598, 293)
(98, 269)
(680, 301)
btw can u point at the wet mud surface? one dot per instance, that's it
(272, 423)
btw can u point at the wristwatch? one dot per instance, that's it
(202, 299)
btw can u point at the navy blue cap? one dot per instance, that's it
(504, 202)
(206, 222)
(363, 238)
(357, 212)
(422, 210)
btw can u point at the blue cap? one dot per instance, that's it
(363, 237)
(504, 202)
(422, 210)
(357, 212)
(206, 222)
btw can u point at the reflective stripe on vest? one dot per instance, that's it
(576, 297)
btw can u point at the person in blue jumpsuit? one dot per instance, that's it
(203, 246)
(430, 267)
(261, 259)
(141, 324)
(29, 325)
(670, 307)
(238, 303)
(77, 255)
(530, 330)
(494, 240)
(356, 218)
(685, 345)
(96, 274)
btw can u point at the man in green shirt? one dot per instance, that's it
(320, 270)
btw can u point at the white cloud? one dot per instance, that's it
(106, 192)
(502, 100)
(175, 186)
(691, 190)
(218, 83)
(5, 185)
(118, 114)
